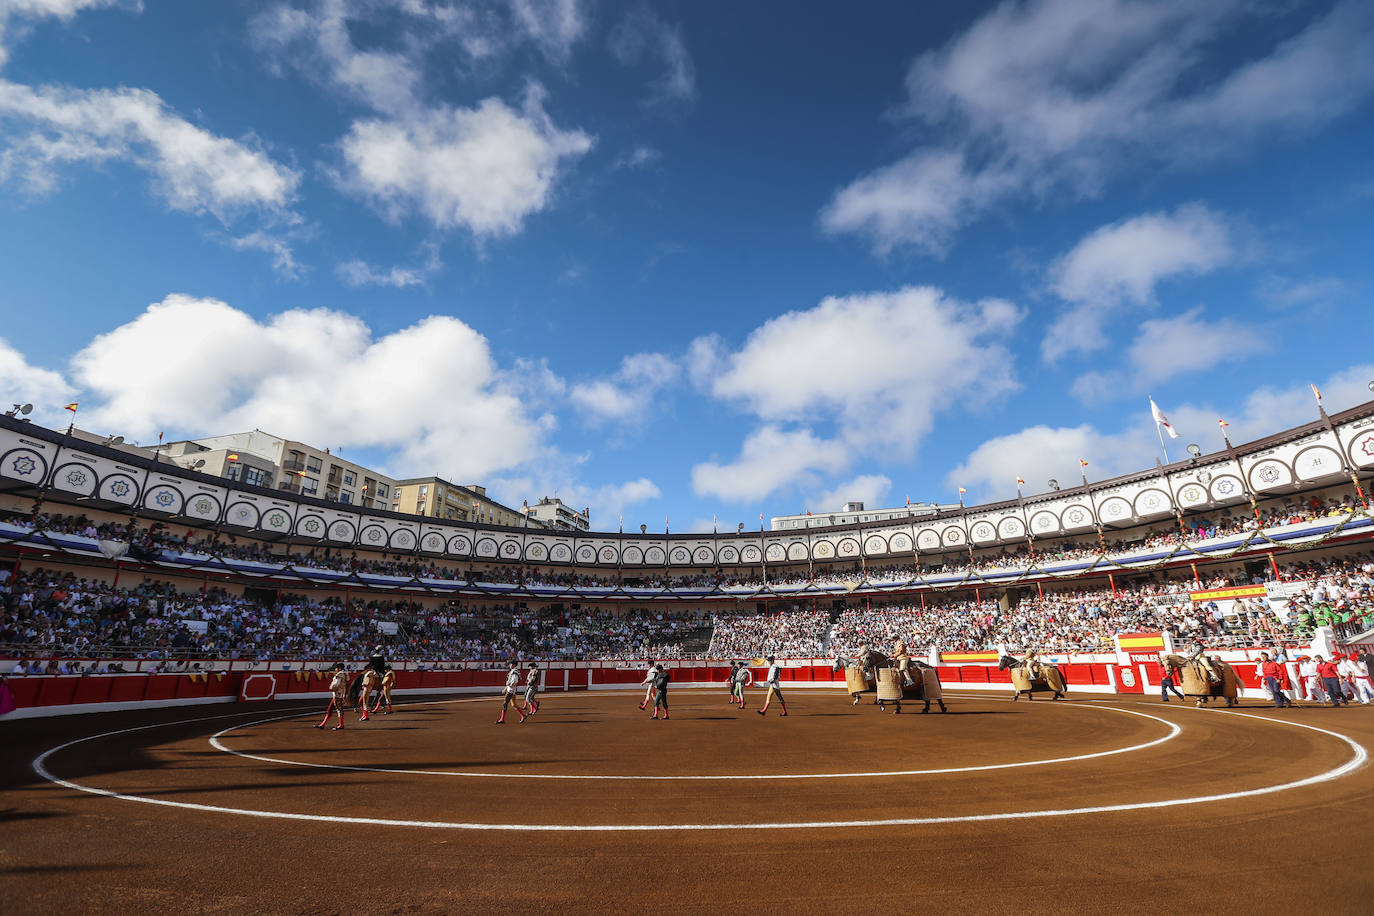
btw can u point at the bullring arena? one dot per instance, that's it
(145, 770)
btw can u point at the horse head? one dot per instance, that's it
(1005, 662)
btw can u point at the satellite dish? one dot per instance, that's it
(117, 440)
(198, 465)
(26, 409)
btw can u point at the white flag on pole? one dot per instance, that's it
(1161, 419)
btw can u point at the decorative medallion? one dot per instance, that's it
(164, 498)
(120, 488)
(680, 555)
(24, 465)
(1269, 473)
(204, 506)
(311, 525)
(1075, 516)
(561, 552)
(375, 534)
(76, 478)
(607, 554)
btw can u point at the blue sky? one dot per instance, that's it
(689, 260)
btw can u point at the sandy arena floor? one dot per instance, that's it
(1095, 805)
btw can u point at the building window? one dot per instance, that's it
(312, 464)
(381, 491)
(254, 476)
(234, 470)
(346, 496)
(309, 486)
(348, 478)
(424, 491)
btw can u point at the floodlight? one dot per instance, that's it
(1054, 484)
(1193, 449)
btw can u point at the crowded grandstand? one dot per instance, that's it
(190, 571)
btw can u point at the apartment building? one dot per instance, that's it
(552, 513)
(261, 459)
(438, 498)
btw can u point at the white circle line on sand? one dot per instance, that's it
(1173, 732)
(1359, 758)
(1355, 762)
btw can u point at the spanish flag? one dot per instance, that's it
(71, 407)
(1020, 482)
(1318, 393)
(962, 491)
(1222, 423)
(1083, 462)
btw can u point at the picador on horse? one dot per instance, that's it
(1202, 677)
(1030, 676)
(894, 679)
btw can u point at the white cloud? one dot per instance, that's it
(771, 459)
(638, 158)
(920, 200)
(383, 79)
(878, 364)
(484, 169)
(1289, 292)
(358, 273)
(630, 392)
(554, 25)
(23, 12)
(283, 258)
(23, 383)
(193, 169)
(1054, 98)
(607, 501)
(705, 360)
(642, 35)
(1166, 348)
(1040, 452)
(1169, 347)
(869, 489)
(199, 366)
(1120, 265)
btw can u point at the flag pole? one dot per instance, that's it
(1154, 415)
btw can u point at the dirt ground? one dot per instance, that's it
(832, 808)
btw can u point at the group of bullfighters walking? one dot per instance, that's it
(656, 680)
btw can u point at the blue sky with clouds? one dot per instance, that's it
(689, 259)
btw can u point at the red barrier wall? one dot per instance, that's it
(71, 692)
